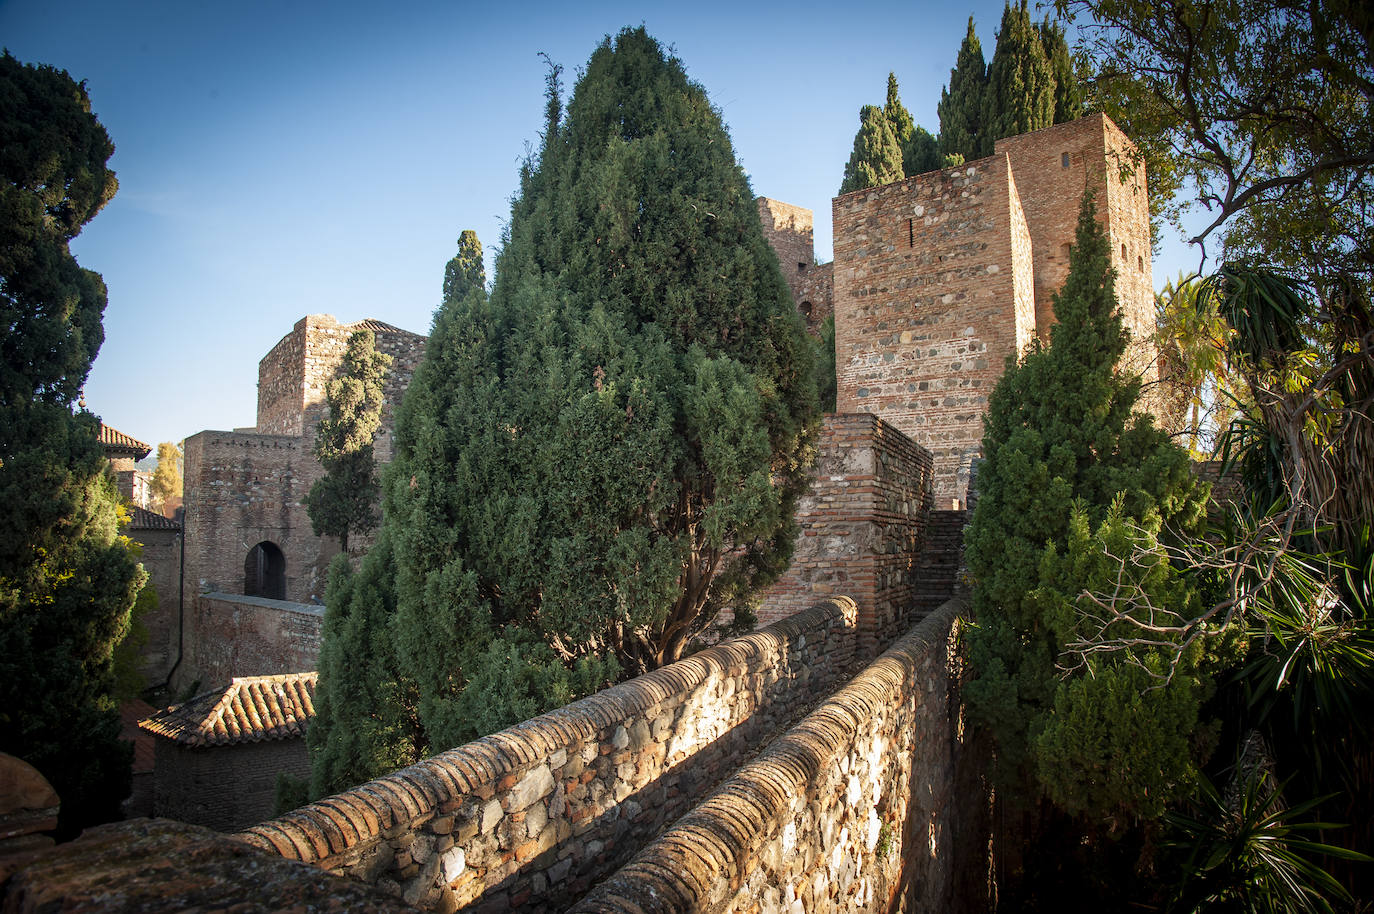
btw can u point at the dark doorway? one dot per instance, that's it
(264, 572)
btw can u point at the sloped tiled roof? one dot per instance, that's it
(375, 326)
(250, 709)
(114, 440)
(143, 519)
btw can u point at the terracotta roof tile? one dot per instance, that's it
(114, 440)
(250, 709)
(143, 519)
(375, 326)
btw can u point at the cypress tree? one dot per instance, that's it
(877, 156)
(465, 270)
(344, 500)
(596, 458)
(67, 579)
(923, 154)
(899, 119)
(1072, 486)
(962, 103)
(1068, 97)
(1021, 87)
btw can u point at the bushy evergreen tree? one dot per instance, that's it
(962, 102)
(344, 499)
(899, 119)
(877, 156)
(1021, 85)
(923, 154)
(67, 578)
(1075, 494)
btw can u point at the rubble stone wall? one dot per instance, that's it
(862, 527)
(531, 817)
(851, 810)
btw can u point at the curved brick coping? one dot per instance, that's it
(802, 826)
(609, 771)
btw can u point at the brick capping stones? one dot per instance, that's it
(532, 816)
(843, 812)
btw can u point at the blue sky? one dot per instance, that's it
(286, 158)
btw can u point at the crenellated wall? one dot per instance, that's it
(848, 811)
(533, 816)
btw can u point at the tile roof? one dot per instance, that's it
(375, 326)
(250, 709)
(114, 440)
(143, 519)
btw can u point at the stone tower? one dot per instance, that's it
(939, 278)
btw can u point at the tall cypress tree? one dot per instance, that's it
(877, 156)
(899, 119)
(1068, 96)
(67, 579)
(344, 500)
(962, 102)
(465, 270)
(1021, 85)
(1074, 494)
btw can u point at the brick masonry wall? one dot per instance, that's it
(939, 278)
(162, 560)
(223, 787)
(848, 811)
(925, 309)
(862, 527)
(533, 816)
(253, 636)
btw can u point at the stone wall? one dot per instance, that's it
(850, 810)
(789, 230)
(939, 278)
(862, 527)
(292, 377)
(533, 816)
(224, 787)
(253, 636)
(243, 489)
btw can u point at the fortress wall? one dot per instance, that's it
(862, 527)
(242, 489)
(281, 384)
(852, 809)
(789, 230)
(532, 816)
(1100, 155)
(254, 636)
(926, 308)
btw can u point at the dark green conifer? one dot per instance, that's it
(596, 458)
(1021, 86)
(465, 270)
(962, 103)
(1075, 493)
(344, 500)
(877, 156)
(899, 119)
(67, 579)
(923, 153)
(1068, 97)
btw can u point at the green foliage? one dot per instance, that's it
(290, 793)
(1248, 852)
(1257, 111)
(67, 579)
(365, 717)
(1074, 495)
(166, 482)
(922, 154)
(465, 271)
(826, 385)
(344, 499)
(1200, 392)
(1068, 95)
(962, 106)
(877, 156)
(128, 681)
(1021, 91)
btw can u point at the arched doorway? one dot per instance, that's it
(264, 572)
